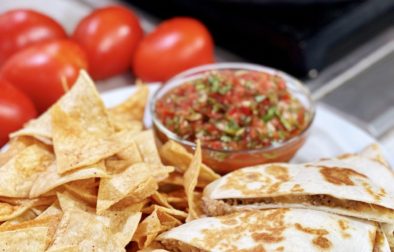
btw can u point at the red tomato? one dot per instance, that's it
(109, 36)
(39, 70)
(176, 45)
(22, 28)
(15, 109)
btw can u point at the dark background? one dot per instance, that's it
(293, 35)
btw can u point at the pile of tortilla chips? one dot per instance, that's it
(83, 177)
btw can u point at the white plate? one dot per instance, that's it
(331, 135)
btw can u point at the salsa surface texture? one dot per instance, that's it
(233, 110)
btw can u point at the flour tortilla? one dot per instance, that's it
(331, 185)
(289, 229)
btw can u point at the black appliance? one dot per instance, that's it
(294, 35)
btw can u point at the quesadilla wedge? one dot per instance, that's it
(334, 186)
(274, 230)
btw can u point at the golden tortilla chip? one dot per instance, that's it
(53, 209)
(28, 215)
(123, 159)
(190, 178)
(50, 179)
(86, 189)
(176, 155)
(157, 222)
(12, 208)
(130, 110)
(50, 222)
(146, 144)
(86, 231)
(25, 240)
(14, 146)
(180, 215)
(18, 174)
(82, 93)
(69, 202)
(176, 179)
(76, 147)
(77, 140)
(161, 199)
(135, 183)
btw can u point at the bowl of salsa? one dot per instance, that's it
(243, 114)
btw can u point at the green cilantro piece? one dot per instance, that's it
(259, 98)
(272, 111)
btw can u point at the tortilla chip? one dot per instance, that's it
(77, 139)
(82, 93)
(25, 240)
(190, 179)
(16, 207)
(18, 175)
(85, 230)
(50, 222)
(157, 222)
(86, 189)
(39, 128)
(176, 179)
(135, 183)
(82, 148)
(15, 146)
(178, 199)
(146, 144)
(53, 209)
(123, 223)
(123, 159)
(180, 215)
(28, 215)
(161, 199)
(130, 110)
(50, 179)
(176, 155)
(69, 202)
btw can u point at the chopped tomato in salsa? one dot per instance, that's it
(233, 110)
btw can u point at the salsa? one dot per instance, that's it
(233, 110)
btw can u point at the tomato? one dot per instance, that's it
(40, 70)
(22, 28)
(176, 45)
(15, 109)
(109, 36)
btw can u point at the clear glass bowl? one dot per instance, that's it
(224, 161)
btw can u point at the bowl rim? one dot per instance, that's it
(240, 66)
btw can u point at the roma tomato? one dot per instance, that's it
(41, 70)
(109, 36)
(22, 28)
(176, 45)
(15, 109)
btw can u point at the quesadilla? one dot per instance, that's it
(331, 185)
(275, 230)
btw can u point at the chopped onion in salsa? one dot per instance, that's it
(233, 110)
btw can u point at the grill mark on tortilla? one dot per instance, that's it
(379, 238)
(345, 156)
(312, 231)
(343, 225)
(339, 176)
(233, 182)
(266, 229)
(281, 173)
(297, 188)
(320, 241)
(372, 238)
(377, 195)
